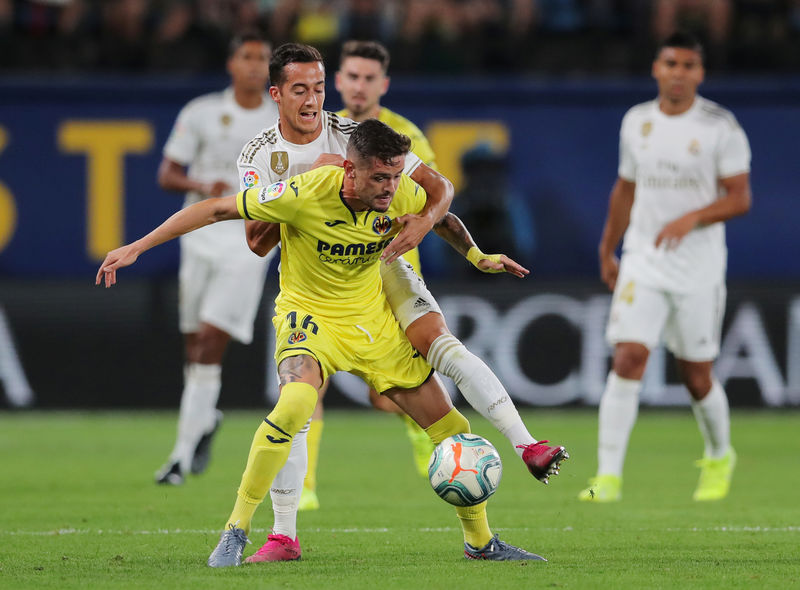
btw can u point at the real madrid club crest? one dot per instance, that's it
(647, 127)
(297, 337)
(279, 162)
(694, 147)
(225, 120)
(382, 224)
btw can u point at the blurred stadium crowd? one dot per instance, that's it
(424, 36)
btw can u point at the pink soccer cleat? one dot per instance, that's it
(542, 460)
(277, 548)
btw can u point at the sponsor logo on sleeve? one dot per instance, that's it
(271, 192)
(250, 178)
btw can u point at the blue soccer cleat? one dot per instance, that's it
(497, 550)
(230, 548)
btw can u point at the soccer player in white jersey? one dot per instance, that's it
(220, 279)
(683, 171)
(304, 134)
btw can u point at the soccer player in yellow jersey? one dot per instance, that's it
(304, 135)
(331, 313)
(361, 81)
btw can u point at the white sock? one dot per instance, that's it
(480, 387)
(287, 486)
(198, 410)
(713, 418)
(619, 407)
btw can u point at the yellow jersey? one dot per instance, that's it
(330, 254)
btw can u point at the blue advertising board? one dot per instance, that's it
(78, 161)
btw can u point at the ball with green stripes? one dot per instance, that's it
(465, 469)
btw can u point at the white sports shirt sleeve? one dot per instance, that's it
(269, 158)
(676, 163)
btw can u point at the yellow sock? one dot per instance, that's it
(312, 440)
(270, 448)
(474, 522)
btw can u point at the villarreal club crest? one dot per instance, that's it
(382, 224)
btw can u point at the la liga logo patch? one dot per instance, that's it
(250, 178)
(271, 192)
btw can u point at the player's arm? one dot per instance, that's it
(193, 217)
(439, 191)
(619, 215)
(735, 202)
(172, 176)
(452, 230)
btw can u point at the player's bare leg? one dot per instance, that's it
(710, 407)
(619, 407)
(430, 406)
(198, 418)
(421, 443)
(483, 390)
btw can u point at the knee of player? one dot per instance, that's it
(630, 361)
(425, 330)
(698, 384)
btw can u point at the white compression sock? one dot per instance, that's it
(619, 407)
(480, 387)
(713, 418)
(287, 486)
(198, 406)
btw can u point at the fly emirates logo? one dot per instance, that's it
(670, 175)
(355, 253)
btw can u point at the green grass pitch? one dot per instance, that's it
(79, 509)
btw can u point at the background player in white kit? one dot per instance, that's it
(220, 279)
(306, 134)
(684, 170)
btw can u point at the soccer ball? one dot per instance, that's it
(465, 469)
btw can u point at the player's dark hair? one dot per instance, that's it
(367, 50)
(681, 40)
(290, 53)
(246, 37)
(374, 139)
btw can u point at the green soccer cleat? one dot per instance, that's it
(715, 477)
(603, 488)
(308, 500)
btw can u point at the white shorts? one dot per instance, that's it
(690, 322)
(406, 292)
(223, 293)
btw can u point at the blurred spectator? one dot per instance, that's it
(710, 19)
(425, 36)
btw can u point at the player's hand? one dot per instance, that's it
(494, 263)
(609, 270)
(328, 160)
(124, 256)
(675, 231)
(217, 188)
(414, 229)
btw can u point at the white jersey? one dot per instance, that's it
(268, 157)
(207, 137)
(676, 162)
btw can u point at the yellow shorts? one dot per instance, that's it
(375, 349)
